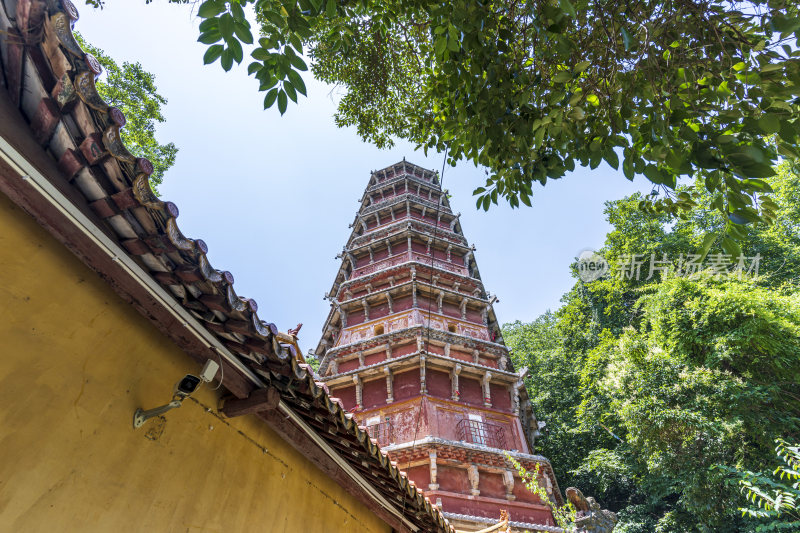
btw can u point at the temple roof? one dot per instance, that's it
(79, 180)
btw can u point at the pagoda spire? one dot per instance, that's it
(412, 347)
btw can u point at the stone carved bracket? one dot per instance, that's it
(433, 469)
(455, 392)
(508, 482)
(423, 389)
(358, 384)
(474, 478)
(389, 384)
(487, 391)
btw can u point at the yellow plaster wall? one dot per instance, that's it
(75, 362)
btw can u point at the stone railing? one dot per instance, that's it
(406, 257)
(399, 177)
(381, 264)
(367, 331)
(386, 230)
(426, 259)
(401, 198)
(415, 317)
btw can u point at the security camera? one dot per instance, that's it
(187, 385)
(182, 390)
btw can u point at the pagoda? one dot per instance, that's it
(412, 348)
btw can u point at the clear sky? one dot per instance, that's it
(273, 196)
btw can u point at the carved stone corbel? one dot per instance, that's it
(515, 398)
(342, 312)
(433, 484)
(454, 222)
(487, 391)
(358, 383)
(389, 384)
(423, 389)
(508, 482)
(474, 479)
(455, 392)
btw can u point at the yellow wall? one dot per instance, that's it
(75, 362)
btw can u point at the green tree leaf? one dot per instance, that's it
(213, 53)
(282, 102)
(297, 82)
(211, 8)
(270, 98)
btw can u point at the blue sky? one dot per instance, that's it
(273, 196)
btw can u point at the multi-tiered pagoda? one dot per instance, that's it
(413, 349)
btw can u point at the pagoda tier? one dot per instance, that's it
(413, 349)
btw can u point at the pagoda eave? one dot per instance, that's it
(444, 337)
(406, 226)
(432, 360)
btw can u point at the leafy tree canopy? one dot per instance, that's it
(776, 499)
(646, 384)
(133, 90)
(532, 89)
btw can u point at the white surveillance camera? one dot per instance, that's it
(185, 387)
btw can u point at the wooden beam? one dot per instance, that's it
(259, 400)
